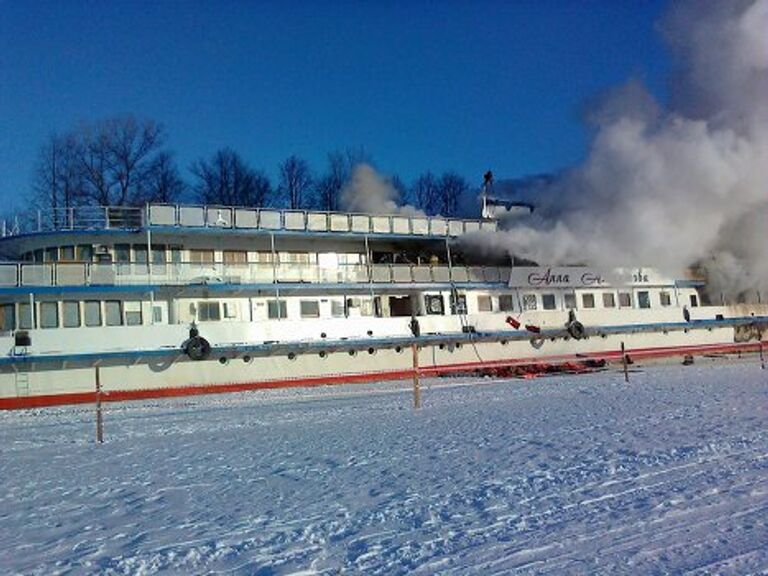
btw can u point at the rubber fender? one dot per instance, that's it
(197, 348)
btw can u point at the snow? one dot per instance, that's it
(566, 474)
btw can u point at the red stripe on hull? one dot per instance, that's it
(42, 401)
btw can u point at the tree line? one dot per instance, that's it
(124, 161)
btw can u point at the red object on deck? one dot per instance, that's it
(532, 328)
(512, 322)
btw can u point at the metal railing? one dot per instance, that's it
(227, 217)
(129, 274)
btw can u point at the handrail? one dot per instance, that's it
(239, 218)
(22, 274)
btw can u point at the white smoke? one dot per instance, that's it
(369, 192)
(675, 187)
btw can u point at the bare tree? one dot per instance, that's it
(227, 179)
(57, 179)
(295, 181)
(451, 188)
(425, 192)
(340, 165)
(116, 157)
(162, 182)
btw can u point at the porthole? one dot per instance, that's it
(291, 356)
(247, 359)
(399, 349)
(371, 351)
(323, 334)
(442, 346)
(458, 346)
(223, 360)
(552, 339)
(353, 352)
(323, 354)
(504, 342)
(370, 332)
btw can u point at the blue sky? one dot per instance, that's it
(462, 86)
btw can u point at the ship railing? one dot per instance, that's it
(237, 218)
(188, 273)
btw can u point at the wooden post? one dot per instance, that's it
(624, 362)
(416, 389)
(99, 420)
(762, 356)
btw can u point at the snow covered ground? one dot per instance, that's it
(567, 474)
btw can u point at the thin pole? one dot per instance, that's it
(99, 419)
(274, 274)
(369, 265)
(416, 389)
(624, 362)
(762, 356)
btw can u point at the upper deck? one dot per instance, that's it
(185, 218)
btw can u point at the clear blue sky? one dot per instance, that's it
(441, 85)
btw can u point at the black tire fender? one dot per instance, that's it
(576, 330)
(197, 348)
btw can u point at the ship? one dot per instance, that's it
(125, 303)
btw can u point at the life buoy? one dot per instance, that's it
(513, 322)
(537, 342)
(197, 348)
(576, 330)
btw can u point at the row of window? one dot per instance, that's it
(71, 314)
(589, 299)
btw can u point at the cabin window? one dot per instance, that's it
(230, 310)
(548, 301)
(434, 304)
(588, 300)
(122, 253)
(7, 317)
(277, 309)
(52, 254)
(569, 300)
(26, 317)
(176, 254)
(263, 258)
(665, 299)
(68, 253)
(235, 257)
(49, 315)
(158, 254)
(484, 304)
(201, 256)
(644, 299)
(70, 314)
(113, 313)
(609, 300)
(132, 313)
(38, 256)
(208, 311)
(157, 315)
(140, 253)
(337, 308)
(694, 301)
(529, 301)
(92, 312)
(310, 308)
(625, 300)
(458, 304)
(85, 252)
(506, 303)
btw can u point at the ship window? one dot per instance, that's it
(113, 314)
(230, 310)
(310, 309)
(484, 304)
(70, 314)
(85, 252)
(26, 317)
(277, 309)
(337, 308)
(7, 317)
(157, 314)
(529, 301)
(201, 256)
(122, 253)
(51, 254)
(158, 254)
(458, 304)
(643, 299)
(176, 254)
(235, 257)
(140, 251)
(569, 300)
(548, 301)
(49, 315)
(92, 312)
(665, 299)
(68, 253)
(694, 301)
(625, 300)
(263, 257)
(434, 303)
(506, 303)
(588, 300)
(132, 313)
(609, 300)
(38, 255)
(207, 311)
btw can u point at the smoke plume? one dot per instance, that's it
(369, 192)
(677, 186)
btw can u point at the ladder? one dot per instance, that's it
(22, 382)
